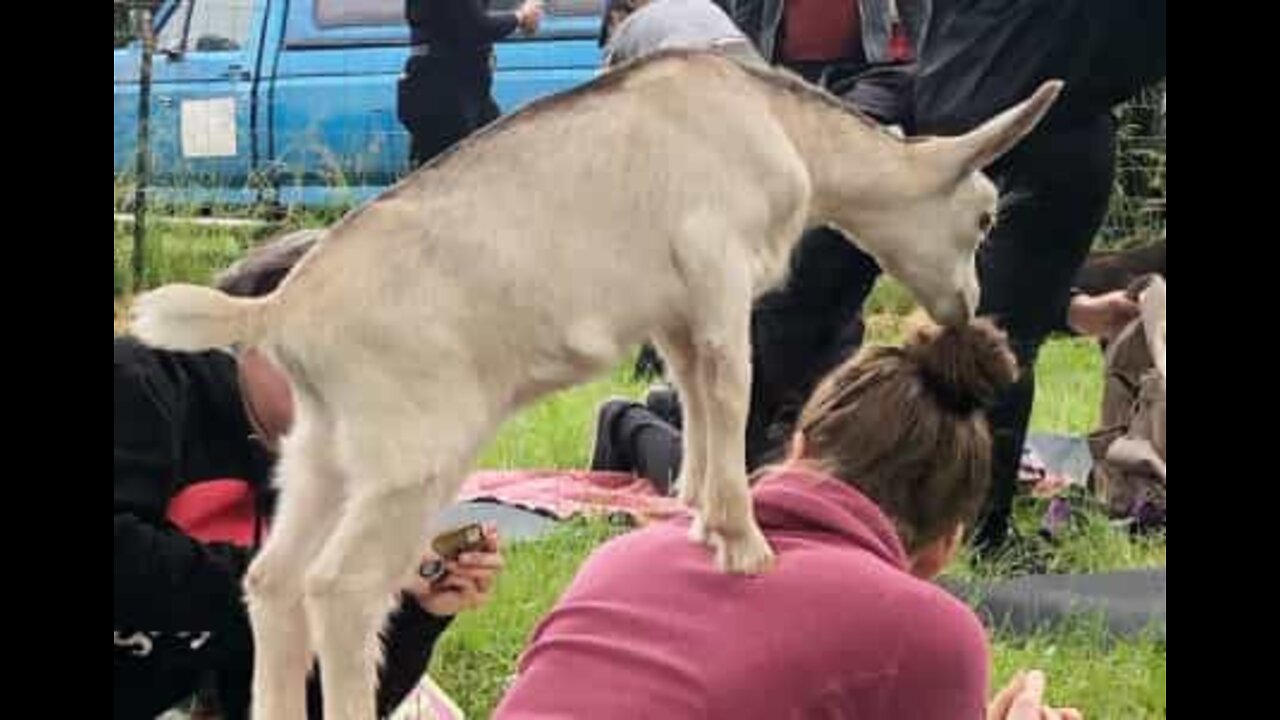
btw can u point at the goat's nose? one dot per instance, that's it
(957, 309)
(968, 306)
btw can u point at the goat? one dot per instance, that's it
(656, 201)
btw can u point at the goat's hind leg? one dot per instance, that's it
(308, 509)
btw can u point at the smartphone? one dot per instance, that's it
(449, 545)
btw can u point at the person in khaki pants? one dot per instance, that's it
(1128, 447)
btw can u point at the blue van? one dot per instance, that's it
(293, 102)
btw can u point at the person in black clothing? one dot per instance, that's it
(444, 93)
(194, 438)
(978, 58)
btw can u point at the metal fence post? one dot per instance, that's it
(143, 17)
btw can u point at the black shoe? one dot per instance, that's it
(665, 403)
(608, 454)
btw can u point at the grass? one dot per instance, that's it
(557, 432)
(1068, 387)
(177, 254)
(1119, 681)
(1122, 680)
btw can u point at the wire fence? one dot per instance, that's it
(1137, 212)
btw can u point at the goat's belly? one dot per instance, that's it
(574, 351)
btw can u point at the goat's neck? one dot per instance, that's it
(851, 165)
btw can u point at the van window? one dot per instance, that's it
(347, 13)
(563, 8)
(208, 26)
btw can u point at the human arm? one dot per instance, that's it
(177, 611)
(154, 562)
(474, 25)
(1100, 316)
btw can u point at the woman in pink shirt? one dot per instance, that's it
(889, 464)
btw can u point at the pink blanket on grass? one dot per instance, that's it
(564, 493)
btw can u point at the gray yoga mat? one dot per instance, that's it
(514, 524)
(1128, 602)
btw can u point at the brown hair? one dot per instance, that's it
(905, 425)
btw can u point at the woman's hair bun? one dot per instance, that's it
(965, 367)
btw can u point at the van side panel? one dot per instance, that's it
(332, 100)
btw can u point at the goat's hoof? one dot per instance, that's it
(746, 553)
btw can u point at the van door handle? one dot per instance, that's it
(237, 72)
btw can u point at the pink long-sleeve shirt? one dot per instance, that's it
(651, 629)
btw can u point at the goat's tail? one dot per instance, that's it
(192, 318)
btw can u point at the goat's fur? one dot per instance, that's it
(656, 201)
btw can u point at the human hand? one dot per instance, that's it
(467, 582)
(1023, 699)
(1101, 316)
(529, 16)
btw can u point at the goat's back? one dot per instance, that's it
(548, 234)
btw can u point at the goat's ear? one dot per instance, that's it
(975, 150)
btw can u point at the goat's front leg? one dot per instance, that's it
(727, 511)
(676, 347)
(722, 344)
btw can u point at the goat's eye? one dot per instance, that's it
(985, 222)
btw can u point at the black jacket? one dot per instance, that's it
(459, 27)
(980, 57)
(191, 494)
